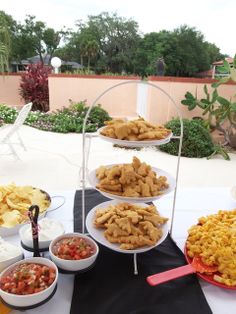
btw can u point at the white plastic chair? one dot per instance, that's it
(11, 130)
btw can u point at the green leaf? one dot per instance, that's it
(206, 110)
(233, 107)
(222, 81)
(202, 105)
(205, 101)
(186, 102)
(216, 84)
(214, 96)
(192, 106)
(221, 151)
(235, 61)
(223, 101)
(226, 65)
(205, 89)
(188, 95)
(221, 69)
(224, 115)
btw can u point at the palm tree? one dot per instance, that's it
(4, 47)
(91, 50)
(82, 48)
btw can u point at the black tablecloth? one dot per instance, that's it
(112, 288)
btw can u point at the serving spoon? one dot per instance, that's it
(33, 214)
(195, 266)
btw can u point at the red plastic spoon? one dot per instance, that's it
(196, 266)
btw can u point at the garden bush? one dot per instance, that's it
(68, 119)
(7, 114)
(34, 86)
(197, 141)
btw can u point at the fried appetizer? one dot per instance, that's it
(131, 180)
(131, 226)
(134, 130)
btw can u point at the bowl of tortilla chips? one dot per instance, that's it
(14, 204)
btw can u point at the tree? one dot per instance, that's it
(79, 42)
(35, 38)
(117, 39)
(6, 27)
(213, 52)
(4, 47)
(150, 48)
(106, 41)
(91, 50)
(190, 50)
(184, 51)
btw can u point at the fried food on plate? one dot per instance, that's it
(15, 202)
(132, 226)
(134, 130)
(131, 180)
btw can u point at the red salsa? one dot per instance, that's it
(28, 278)
(73, 248)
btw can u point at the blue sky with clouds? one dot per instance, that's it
(214, 18)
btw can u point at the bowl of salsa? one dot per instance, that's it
(28, 282)
(73, 251)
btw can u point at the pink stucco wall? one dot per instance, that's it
(9, 90)
(122, 100)
(161, 108)
(119, 102)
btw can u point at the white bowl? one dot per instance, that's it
(43, 244)
(10, 261)
(73, 265)
(29, 299)
(6, 232)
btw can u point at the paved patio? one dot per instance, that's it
(52, 162)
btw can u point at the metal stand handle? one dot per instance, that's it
(85, 156)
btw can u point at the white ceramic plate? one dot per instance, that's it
(171, 181)
(97, 233)
(134, 143)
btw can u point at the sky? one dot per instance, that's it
(215, 19)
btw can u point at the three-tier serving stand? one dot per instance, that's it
(86, 151)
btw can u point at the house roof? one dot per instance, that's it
(230, 60)
(36, 59)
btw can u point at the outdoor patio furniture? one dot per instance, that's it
(9, 131)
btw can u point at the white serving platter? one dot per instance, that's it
(97, 233)
(134, 143)
(93, 181)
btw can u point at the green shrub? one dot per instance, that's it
(67, 119)
(7, 114)
(196, 139)
(34, 86)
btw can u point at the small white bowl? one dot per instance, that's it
(6, 263)
(28, 299)
(43, 244)
(73, 265)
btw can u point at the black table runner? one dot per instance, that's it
(112, 288)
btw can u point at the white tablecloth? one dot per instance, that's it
(191, 204)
